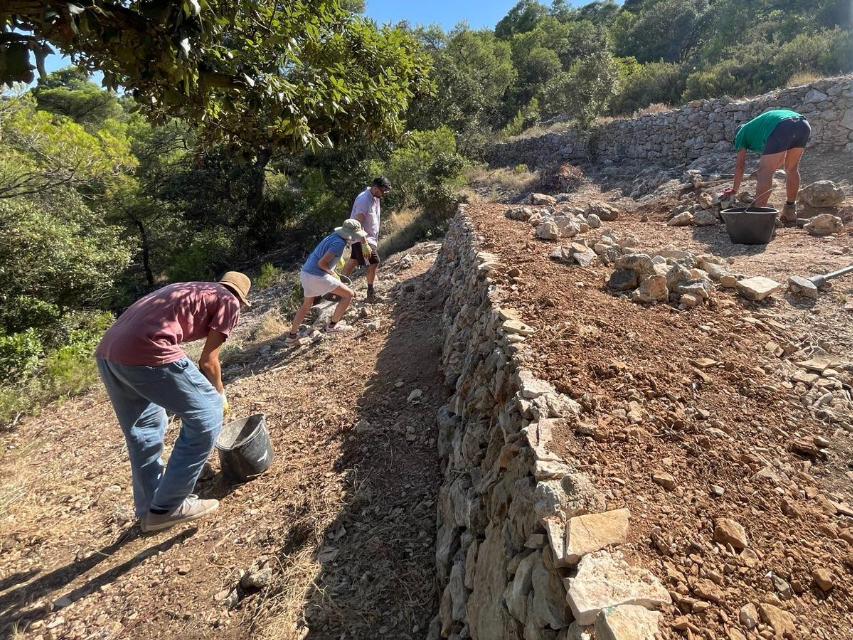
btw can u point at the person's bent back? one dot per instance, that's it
(146, 373)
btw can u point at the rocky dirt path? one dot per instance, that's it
(690, 418)
(335, 541)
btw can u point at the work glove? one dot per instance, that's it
(727, 197)
(366, 251)
(226, 408)
(340, 264)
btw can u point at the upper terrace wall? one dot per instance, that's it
(696, 129)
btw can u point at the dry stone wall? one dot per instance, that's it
(525, 546)
(695, 130)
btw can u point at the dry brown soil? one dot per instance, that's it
(726, 424)
(344, 517)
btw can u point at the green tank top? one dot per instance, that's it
(753, 135)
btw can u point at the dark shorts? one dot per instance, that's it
(358, 255)
(792, 133)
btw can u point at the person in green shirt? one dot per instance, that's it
(780, 136)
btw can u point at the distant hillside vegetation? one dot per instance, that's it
(605, 59)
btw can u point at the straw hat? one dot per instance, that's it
(238, 284)
(351, 230)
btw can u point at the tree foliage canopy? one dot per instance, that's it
(258, 73)
(233, 131)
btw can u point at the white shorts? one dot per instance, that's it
(314, 286)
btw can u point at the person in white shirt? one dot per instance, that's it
(366, 210)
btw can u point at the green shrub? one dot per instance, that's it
(585, 91)
(426, 172)
(655, 82)
(760, 66)
(55, 253)
(66, 369)
(837, 56)
(20, 354)
(202, 259)
(266, 278)
(526, 117)
(292, 298)
(748, 74)
(520, 168)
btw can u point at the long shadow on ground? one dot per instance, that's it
(15, 605)
(378, 555)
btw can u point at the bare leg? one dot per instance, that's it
(766, 168)
(349, 267)
(300, 314)
(792, 173)
(346, 295)
(371, 274)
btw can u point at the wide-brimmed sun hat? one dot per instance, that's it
(238, 284)
(351, 230)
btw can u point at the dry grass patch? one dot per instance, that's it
(229, 354)
(15, 480)
(803, 77)
(407, 227)
(652, 109)
(540, 130)
(281, 614)
(499, 185)
(271, 325)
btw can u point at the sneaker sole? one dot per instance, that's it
(174, 523)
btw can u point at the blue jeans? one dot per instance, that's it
(141, 396)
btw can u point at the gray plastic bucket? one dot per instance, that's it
(750, 225)
(245, 449)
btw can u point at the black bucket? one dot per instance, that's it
(244, 447)
(750, 225)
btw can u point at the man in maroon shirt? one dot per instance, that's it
(146, 374)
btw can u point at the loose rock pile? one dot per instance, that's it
(679, 279)
(698, 207)
(665, 275)
(524, 544)
(821, 384)
(553, 221)
(672, 275)
(821, 215)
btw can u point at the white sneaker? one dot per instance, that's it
(190, 509)
(340, 327)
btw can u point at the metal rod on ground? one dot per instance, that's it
(819, 281)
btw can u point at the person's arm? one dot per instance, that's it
(740, 169)
(325, 263)
(208, 364)
(361, 217)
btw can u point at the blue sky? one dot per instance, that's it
(447, 13)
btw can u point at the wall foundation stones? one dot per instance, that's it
(524, 540)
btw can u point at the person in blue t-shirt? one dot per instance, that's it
(318, 277)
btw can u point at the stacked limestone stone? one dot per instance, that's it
(695, 130)
(525, 547)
